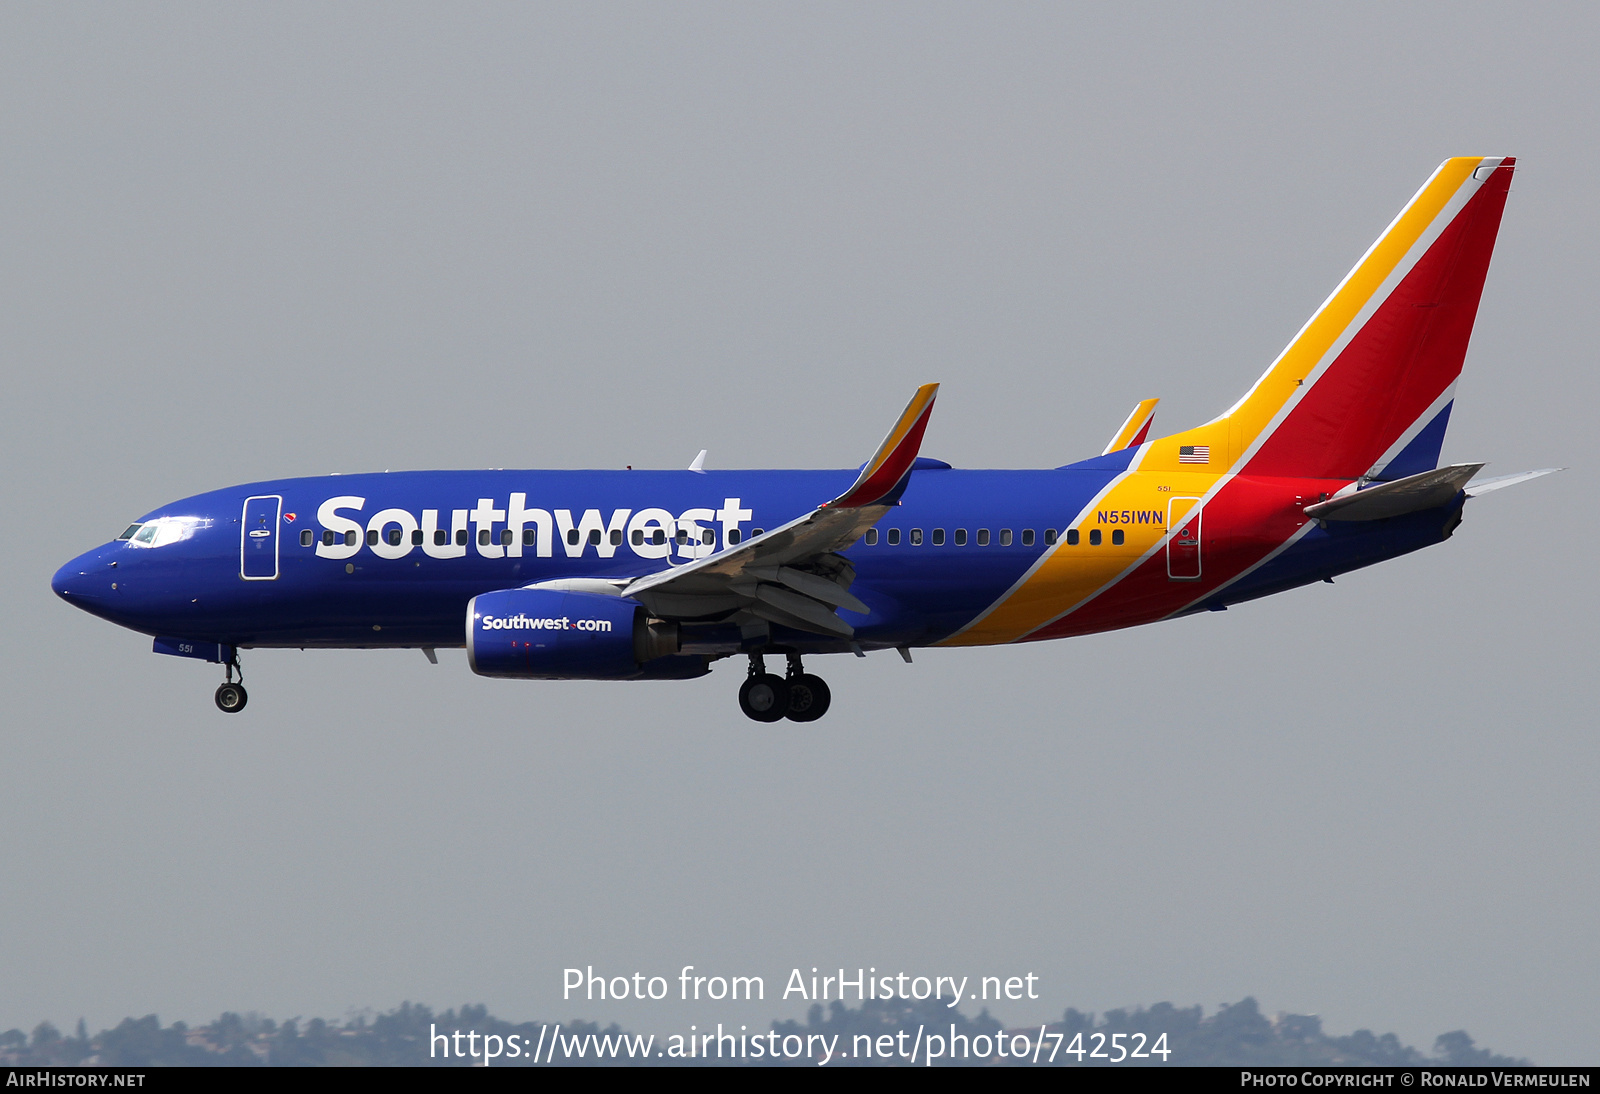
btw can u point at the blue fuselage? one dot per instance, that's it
(391, 560)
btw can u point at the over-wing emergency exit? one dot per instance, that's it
(1328, 464)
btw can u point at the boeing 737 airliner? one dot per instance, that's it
(1329, 463)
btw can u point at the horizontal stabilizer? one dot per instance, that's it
(1412, 494)
(1489, 486)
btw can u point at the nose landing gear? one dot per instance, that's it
(798, 695)
(231, 697)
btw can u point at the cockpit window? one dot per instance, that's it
(165, 530)
(132, 528)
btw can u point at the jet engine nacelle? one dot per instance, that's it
(557, 634)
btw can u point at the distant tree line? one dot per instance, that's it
(1237, 1035)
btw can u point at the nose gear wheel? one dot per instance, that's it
(231, 696)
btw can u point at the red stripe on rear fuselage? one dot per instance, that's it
(1244, 522)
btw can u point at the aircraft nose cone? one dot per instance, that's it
(84, 579)
(65, 583)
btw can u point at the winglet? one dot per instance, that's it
(884, 476)
(1135, 429)
(698, 464)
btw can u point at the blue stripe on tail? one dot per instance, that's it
(1422, 454)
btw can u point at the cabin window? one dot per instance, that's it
(572, 536)
(1027, 537)
(894, 537)
(659, 536)
(349, 539)
(505, 537)
(372, 537)
(527, 537)
(872, 537)
(1072, 537)
(461, 537)
(637, 537)
(757, 531)
(708, 537)
(305, 538)
(594, 537)
(616, 537)
(1094, 537)
(1005, 537)
(983, 537)
(1049, 536)
(132, 528)
(961, 537)
(916, 537)
(733, 536)
(416, 537)
(1116, 537)
(483, 537)
(393, 535)
(440, 537)
(681, 536)
(938, 537)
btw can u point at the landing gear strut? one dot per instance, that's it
(231, 697)
(798, 695)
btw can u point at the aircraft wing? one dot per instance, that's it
(793, 575)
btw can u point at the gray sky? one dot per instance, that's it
(242, 244)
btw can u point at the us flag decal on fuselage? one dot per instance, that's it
(1194, 453)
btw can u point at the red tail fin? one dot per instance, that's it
(1389, 379)
(1365, 387)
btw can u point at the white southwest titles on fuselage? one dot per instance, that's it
(548, 527)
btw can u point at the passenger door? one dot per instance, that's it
(258, 538)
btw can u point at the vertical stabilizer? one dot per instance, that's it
(1367, 385)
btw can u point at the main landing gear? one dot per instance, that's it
(231, 697)
(797, 695)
